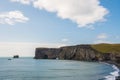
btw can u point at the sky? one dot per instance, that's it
(27, 24)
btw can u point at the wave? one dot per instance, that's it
(114, 74)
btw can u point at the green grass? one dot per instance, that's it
(107, 48)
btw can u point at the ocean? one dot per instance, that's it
(31, 69)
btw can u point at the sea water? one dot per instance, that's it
(31, 69)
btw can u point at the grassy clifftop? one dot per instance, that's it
(107, 48)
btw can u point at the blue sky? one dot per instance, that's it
(49, 26)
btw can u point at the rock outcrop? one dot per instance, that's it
(46, 53)
(16, 56)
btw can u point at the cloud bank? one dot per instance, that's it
(102, 38)
(24, 49)
(82, 12)
(12, 17)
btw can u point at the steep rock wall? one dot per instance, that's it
(79, 52)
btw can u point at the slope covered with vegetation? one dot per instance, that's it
(107, 48)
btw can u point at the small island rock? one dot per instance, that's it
(16, 56)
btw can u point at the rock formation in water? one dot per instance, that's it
(79, 52)
(46, 53)
(16, 56)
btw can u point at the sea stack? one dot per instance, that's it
(16, 56)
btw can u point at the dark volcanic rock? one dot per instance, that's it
(118, 78)
(46, 53)
(16, 56)
(80, 52)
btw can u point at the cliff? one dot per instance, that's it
(99, 52)
(46, 53)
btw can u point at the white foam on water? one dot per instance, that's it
(114, 74)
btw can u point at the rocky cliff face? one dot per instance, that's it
(79, 52)
(46, 53)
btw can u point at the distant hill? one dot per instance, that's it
(107, 48)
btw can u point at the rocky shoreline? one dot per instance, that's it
(117, 65)
(78, 52)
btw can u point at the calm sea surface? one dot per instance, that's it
(31, 69)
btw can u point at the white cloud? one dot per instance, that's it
(12, 17)
(65, 40)
(23, 48)
(22, 1)
(82, 12)
(102, 36)
(102, 41)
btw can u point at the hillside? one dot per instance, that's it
(107, 48)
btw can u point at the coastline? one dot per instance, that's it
(90, 53)
(115, 75)
(116, 67)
